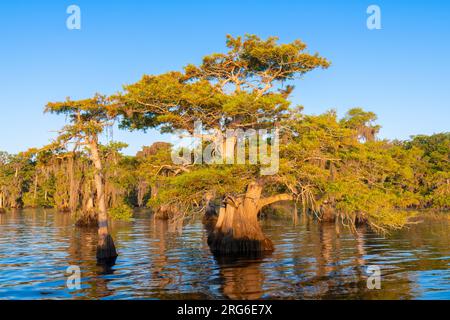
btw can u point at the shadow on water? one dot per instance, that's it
(160, 260)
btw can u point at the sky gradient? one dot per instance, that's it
(400, 72)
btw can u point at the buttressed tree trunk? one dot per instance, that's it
(237, 230)
(106, 250)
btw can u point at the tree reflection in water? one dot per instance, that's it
(157, 260)
(241, 277)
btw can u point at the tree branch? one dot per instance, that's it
(269, 200)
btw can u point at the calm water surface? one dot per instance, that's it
(162, 261)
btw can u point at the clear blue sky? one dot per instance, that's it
(400, 72)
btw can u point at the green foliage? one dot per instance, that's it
(237, 89)
(121, 212)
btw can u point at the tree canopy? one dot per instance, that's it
(333, 168)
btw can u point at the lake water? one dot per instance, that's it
(162, 261)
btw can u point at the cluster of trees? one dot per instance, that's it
(335, 169)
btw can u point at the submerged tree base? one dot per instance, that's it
(237, 230)
(328, 214)
(166, 212)
(106, 251)
(88, 220)
(228, 245)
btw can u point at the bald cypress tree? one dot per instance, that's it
(88, 118)
(244, 88)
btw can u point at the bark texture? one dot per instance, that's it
(237, 230)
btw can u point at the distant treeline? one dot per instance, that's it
(416, 173)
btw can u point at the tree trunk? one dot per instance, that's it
(89, 217)
(237, 230)
(106, 250)
(35, 190)
(141, 191)
(210, 217)
(73, 192)
(154, 191)
(228, 149)
(2, 209)
(328, 214)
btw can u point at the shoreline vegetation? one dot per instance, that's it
(335, 170)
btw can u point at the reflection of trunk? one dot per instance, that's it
(237, 229)
(160, 277)
(241, 280)
(360, 243)
(106, 249)
(327, 238)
